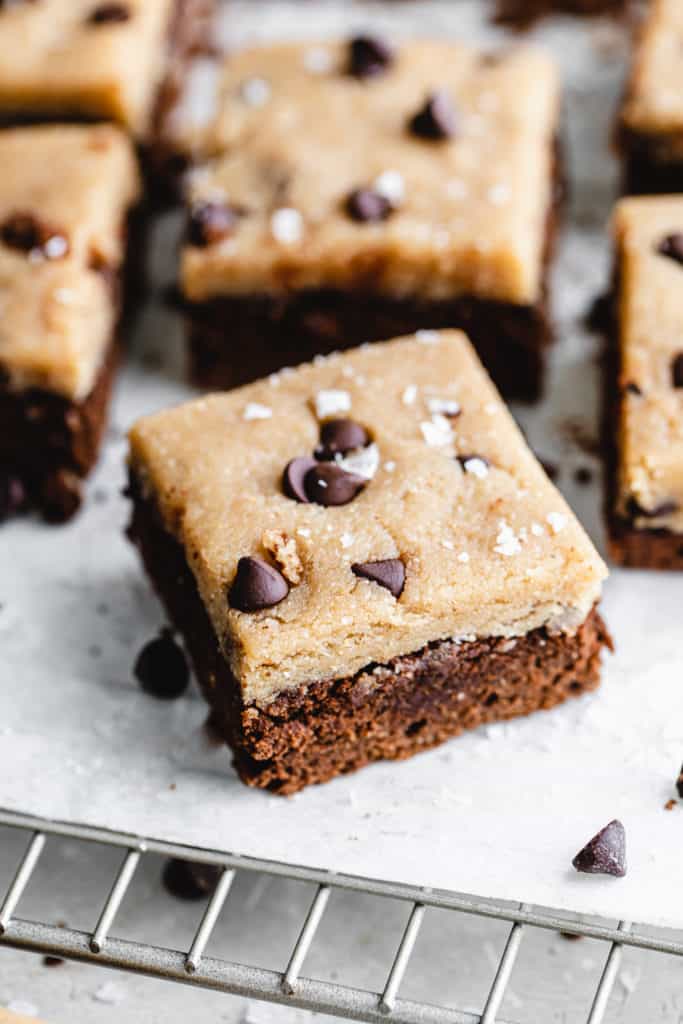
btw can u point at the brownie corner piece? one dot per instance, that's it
(62, 255)
(643, 414)
(440, 213)
(354, 566)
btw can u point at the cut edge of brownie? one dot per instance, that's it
(629, 546)
(522, 14)
(271, 331)
(329, 727)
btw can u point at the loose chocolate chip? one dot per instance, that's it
(368, 207)
(605, 854)
(210, 223)
(338, 437)
(679, 783)
(12, 496)
(161, 667)
(436, 119)
(108, 14)
(190, 880)
(256, 585)
(328, 484)
(672, 247)
(632, 388)
(25, 232)
(390, 573)
(53, 961)
(369, 56)
(583, 475)
(570, 936)
(677, 370)
(293, 478)
(665, 508)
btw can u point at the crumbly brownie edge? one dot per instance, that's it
(270, 331)
(629, 547)
(385, 712)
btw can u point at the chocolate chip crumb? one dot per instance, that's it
(632, 388)
(367, 206)
(210, 223)
(389, 573)
(190, 880)
(670, 804)
(25, 232)
(294, 476)
(677, 370)
(605, 854)
(161, 667)
(583, 475)
(435, 120)
(570, 936)
(109, 14)
(256, 585)
(338, 437)
(672, 247)
(369, 56)
(328, 484)
(53, 961)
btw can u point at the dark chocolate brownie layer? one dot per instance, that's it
(649, 168)
(333, 726)
(50, 443)
(629, 546)
(521, 13)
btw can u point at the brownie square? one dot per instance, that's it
(352, 191)
(365, 560)
(645, 386)
(651, 119)
(95, 59)
(65, 198)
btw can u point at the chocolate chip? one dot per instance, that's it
(632, 388)
(293, 478)
(338, 437)
(679, 783)
(161, 667)
(583, 475)
(256, 585)
(25, 232)
(665, 508)
(328, 484)
(190, 880)
(109, 14)
(211, 222)
(605, 854)
(369, 56)
(53, 961)
(368, 207)
(390, 573)
(672, 247)
(677, 370)
(12, 496)
(436, 119)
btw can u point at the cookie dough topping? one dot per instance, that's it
(257, 585)
(389, 573)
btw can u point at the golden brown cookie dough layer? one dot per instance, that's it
(290, 134)
(650, 317)
(58, 315)
(490, 551)
(67, 59)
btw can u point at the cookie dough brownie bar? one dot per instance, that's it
(645, 386)
(65, 197)
(353, 191)
(651, 122)
(94, 59)
(366, 560)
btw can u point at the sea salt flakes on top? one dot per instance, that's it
(255, 92)
(444, 406)
(391, 185)
(256, 411)
(557, 521)
(330, 402)
(287, 226)
(507, 542)
(437, 432)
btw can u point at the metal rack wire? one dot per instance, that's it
(289, 987)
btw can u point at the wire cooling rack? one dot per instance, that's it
(192, 967)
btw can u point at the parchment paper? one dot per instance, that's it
(497, 813)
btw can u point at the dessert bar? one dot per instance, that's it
(353, 191)
(365, 561)
(65, 197)
(644, 436)
(95, 60)
(651, 121)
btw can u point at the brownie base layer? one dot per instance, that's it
(232, 341)
(49, 444)
(629, 546)
(649, 164)
(521, 13)
(385, 712)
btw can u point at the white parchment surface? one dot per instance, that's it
(497, 813)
